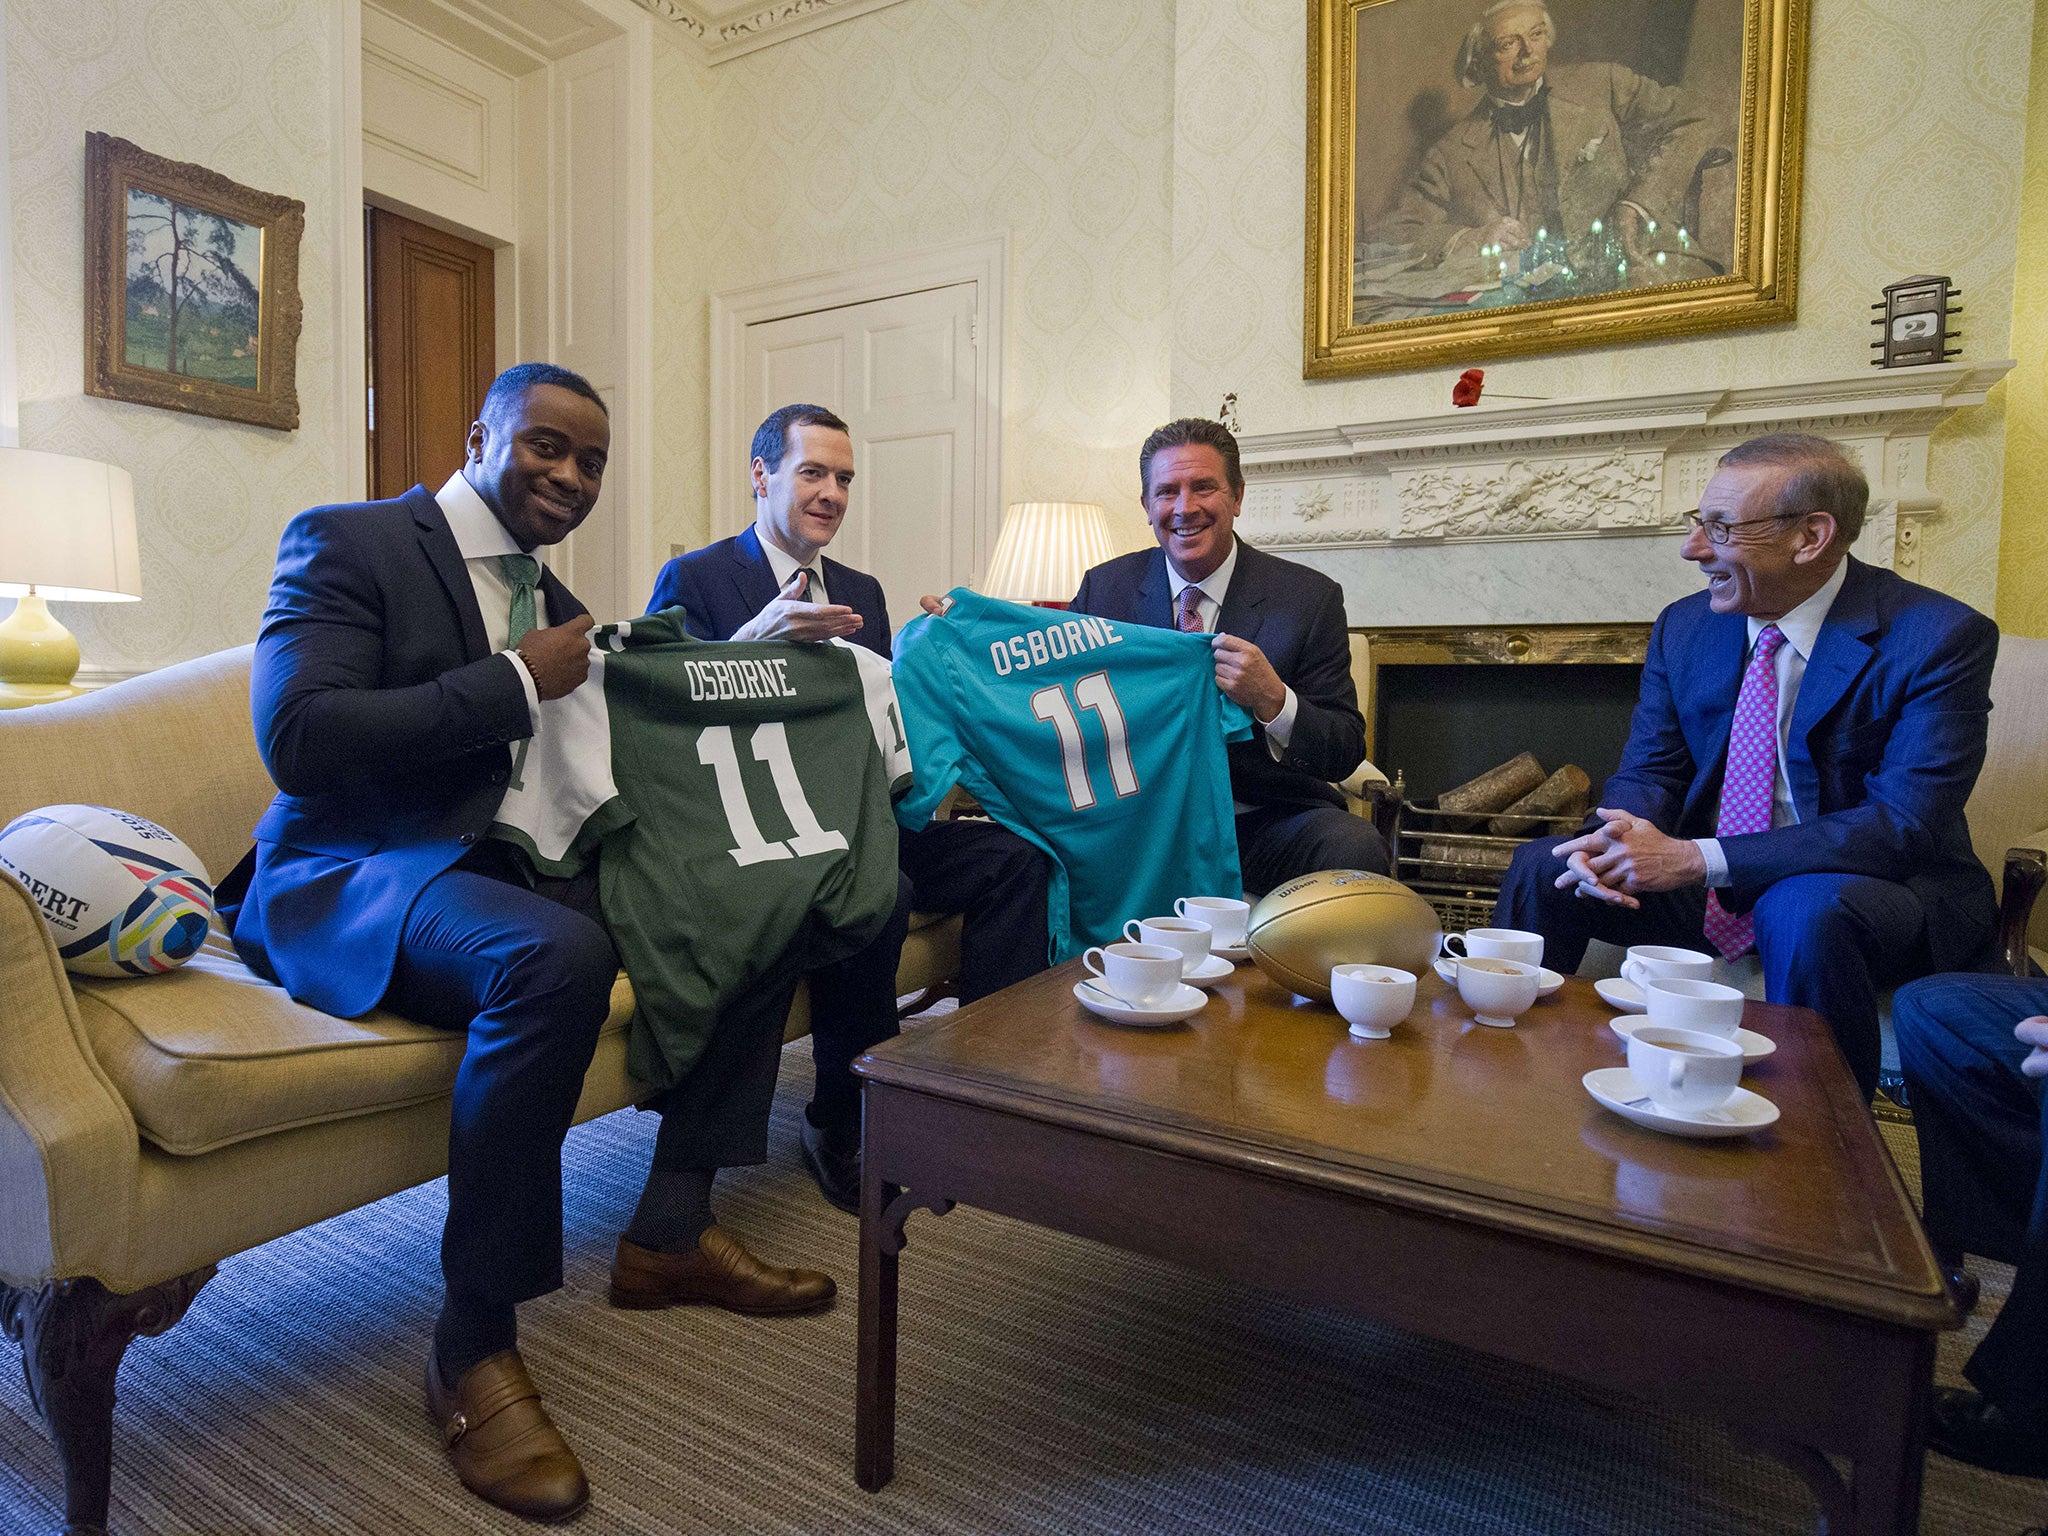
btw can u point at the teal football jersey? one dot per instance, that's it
(1098, 741)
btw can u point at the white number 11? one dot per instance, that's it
(771, 746)
(1091, 692)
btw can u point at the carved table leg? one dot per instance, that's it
(883, 1211)
(73, 1334)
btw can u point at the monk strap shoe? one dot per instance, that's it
(506, 1449)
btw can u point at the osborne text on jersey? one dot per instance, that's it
(1056, 642)
(738, 680)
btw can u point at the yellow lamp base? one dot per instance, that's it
(38, 656)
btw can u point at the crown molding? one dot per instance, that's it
(724, 34)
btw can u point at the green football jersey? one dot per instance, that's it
(741, 793)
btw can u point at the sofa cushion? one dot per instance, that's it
(209, 1055)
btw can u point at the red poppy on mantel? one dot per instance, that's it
(1466, 390)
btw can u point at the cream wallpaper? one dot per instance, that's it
(1916, 128)
(2023, 542)
(923, 123)
(240, 86)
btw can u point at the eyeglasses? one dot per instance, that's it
(1720, 531)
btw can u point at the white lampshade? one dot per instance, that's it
(67, 528)
(1044, 549)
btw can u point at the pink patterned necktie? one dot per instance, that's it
(1190, 620)
(1748, 780)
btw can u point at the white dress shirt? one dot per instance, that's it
(1801, 628)
(1209, 605)
(481, 538)
(784, 565)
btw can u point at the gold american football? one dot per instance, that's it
(1299, 930)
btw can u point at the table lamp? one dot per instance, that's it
(1044, 549)
(67, 535)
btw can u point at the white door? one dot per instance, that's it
(901, 372)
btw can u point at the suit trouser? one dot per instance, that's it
(529, 977)
(997, 882)
(716, 1115)
(1277, 842)
(1983, 1126)
(1828, 942)
(853, 1009)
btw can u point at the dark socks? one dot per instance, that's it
(469, 1330)
(674, 1209)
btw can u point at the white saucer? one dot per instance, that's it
(1231, 952)
(1615, 1088)
(1617, 993)
(1209, 972)
(1547, 980)
(1186, 1001)
(1755, 1047)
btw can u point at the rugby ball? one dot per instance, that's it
(121, 896)
(1299, 930)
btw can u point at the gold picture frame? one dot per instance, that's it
(191, 288)
(1399, 270)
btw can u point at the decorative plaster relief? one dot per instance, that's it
(727, 36)
(1527, 496)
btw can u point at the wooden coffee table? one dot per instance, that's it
(1455, 1180)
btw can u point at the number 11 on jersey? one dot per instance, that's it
(771, 746)
(1091, 692)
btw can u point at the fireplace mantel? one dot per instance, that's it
(1475, 515)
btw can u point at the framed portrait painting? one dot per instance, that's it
(192, 288)
(1487, 177)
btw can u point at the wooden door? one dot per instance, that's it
(432, 349)
(900, 371)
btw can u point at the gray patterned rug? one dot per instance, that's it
(1048, 1385)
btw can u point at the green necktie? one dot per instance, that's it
(522, 575)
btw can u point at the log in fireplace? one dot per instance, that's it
(1443, 706)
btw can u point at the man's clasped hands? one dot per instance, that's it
(1626, 857)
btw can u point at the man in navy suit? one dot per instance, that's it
(1975, 1049)
(1282, 651)
(774, 582)
(407, 645)
(1857, 700)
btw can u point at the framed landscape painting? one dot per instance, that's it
(1488, 177)
(192, 288)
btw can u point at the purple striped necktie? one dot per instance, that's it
(1190, 619)
(1748, 780)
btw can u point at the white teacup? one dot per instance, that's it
(1372, 998)
(1225, 915)
(1686, 1004)
(1497, 990)
(1143, 975)
(1185, 934)
(1684, 1070)
(1496, 944)
(1645, 963)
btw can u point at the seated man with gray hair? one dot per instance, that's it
(1808, 731)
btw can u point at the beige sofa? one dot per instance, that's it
(150, 1128)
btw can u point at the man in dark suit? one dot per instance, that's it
(406, 646)
(1808, 732)
(1975, 1049)
(774, 582)
(1282, 651)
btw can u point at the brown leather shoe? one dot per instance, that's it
(719, 1274)
(505, 1448)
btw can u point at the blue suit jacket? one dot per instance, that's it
(384, 719)
(1886, 741)
(1296, 616)
(723, 585)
